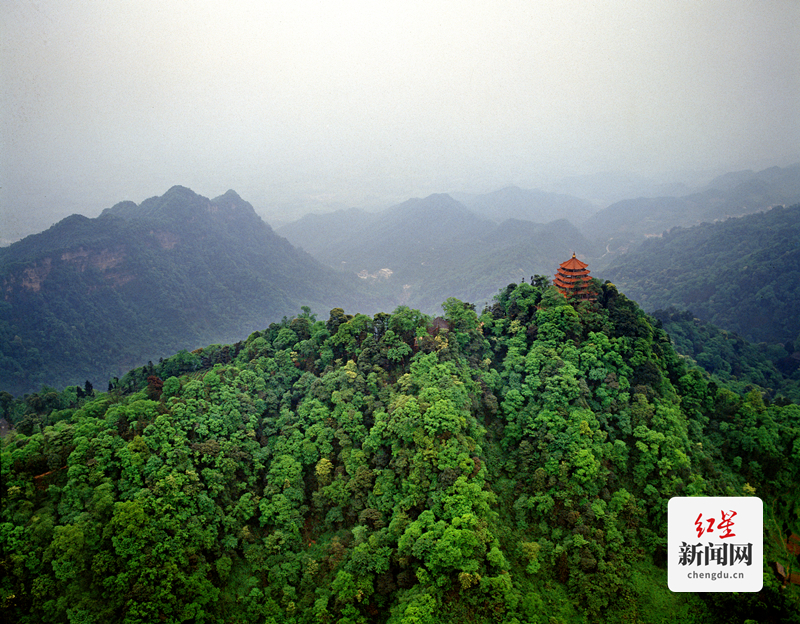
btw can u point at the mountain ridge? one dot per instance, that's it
(741, 274)
(180, 269)
(436, 247)
(627, 223)
(534, 205)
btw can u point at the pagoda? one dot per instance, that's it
(572, 279)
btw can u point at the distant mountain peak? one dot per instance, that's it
(512, 202)
(230, 194)
(182, 205)
(180, 189)
(173, 272)
(442, 196)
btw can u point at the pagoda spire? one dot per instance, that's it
(572, 279)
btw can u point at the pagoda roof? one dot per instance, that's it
(573, 264)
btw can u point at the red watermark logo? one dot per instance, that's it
(715, 544)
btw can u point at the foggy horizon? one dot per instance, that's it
(318, 105)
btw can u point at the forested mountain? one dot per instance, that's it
(508, 467)
(509, 252)
(739, 364)
(91, 298)
(742, 274)
(434, 248)
(626, 223)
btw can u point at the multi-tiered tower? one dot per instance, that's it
(572, 279)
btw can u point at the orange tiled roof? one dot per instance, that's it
(573, 264)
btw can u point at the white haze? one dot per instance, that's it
(369, 102)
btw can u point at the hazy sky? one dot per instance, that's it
(370, 101)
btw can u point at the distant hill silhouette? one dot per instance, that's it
(357, 240)
(609, 187)
(435, 248)
(626, 223)
(528, 205)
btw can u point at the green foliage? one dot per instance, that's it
(508, 467)
(732, 360)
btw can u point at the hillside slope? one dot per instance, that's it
(739, 364)
(91, 298)
(742, 275)
(512, 467)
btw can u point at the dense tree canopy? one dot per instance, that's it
(512, 466)
(740, 364)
